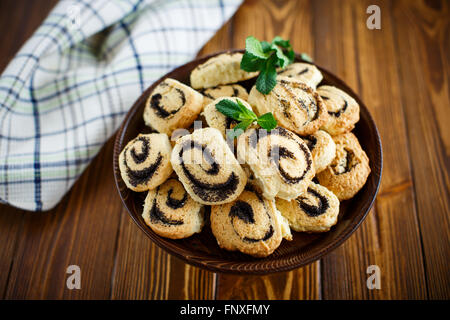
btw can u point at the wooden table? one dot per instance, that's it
(401, 72)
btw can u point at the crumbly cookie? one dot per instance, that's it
(231, 90)
(172, 105)
(342, 109)
(303, 72)
(348, 172)
(295, 105)
(316, 210)
(285, 228)
(281, 162)
(222, 69)
(215, 119)
(250, 224)
(207, 167)
(322, 147)
(145, 161)
(170, 212)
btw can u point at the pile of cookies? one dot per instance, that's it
(259, 186)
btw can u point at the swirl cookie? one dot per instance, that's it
(172, 105)
(342, 109)
(207, 167)
(322, 147)
(250, 224)
(285, 228)
(222, 69)
(145, 161)
(348, 172)
(295, 105)
(316, 210)
(170, 212)
(215, 119)
(232, 90)
(281, 162)
(303, 72)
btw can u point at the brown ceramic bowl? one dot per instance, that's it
(202, 250)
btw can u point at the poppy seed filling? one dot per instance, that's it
(244, 211)
(211, 192)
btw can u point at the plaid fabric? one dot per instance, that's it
(67, 90)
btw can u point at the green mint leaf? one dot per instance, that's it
(235, 110)
(282, 59)
(267, 78)
(246, 114)
(239, 129)
(279, 41)
(251, 63)
(291, 56)
(254, 47)
(243, 125)
(267, 121)
(265, 57)
(266, 46)
(306, 57)
(229, 108)
(285, 53)
(238, 111)
(288, 53)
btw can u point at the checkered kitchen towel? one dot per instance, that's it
(67, 90)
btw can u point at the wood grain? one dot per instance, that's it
(144, 271)
(400, 71)
(424, 69)
(10, 227)
(390, 236)
(71, 234)
(20, 19)
(299, 284)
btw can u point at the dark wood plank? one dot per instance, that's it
(18, 20)
(265, 20)
(422, 42)
(10, 229)
(299, 284)
(144, 271)
(390, 235)
(82, 230)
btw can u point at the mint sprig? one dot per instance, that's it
(237, 111)
(306, 57)
(266, 57)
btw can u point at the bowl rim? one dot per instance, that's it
(210, 265)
